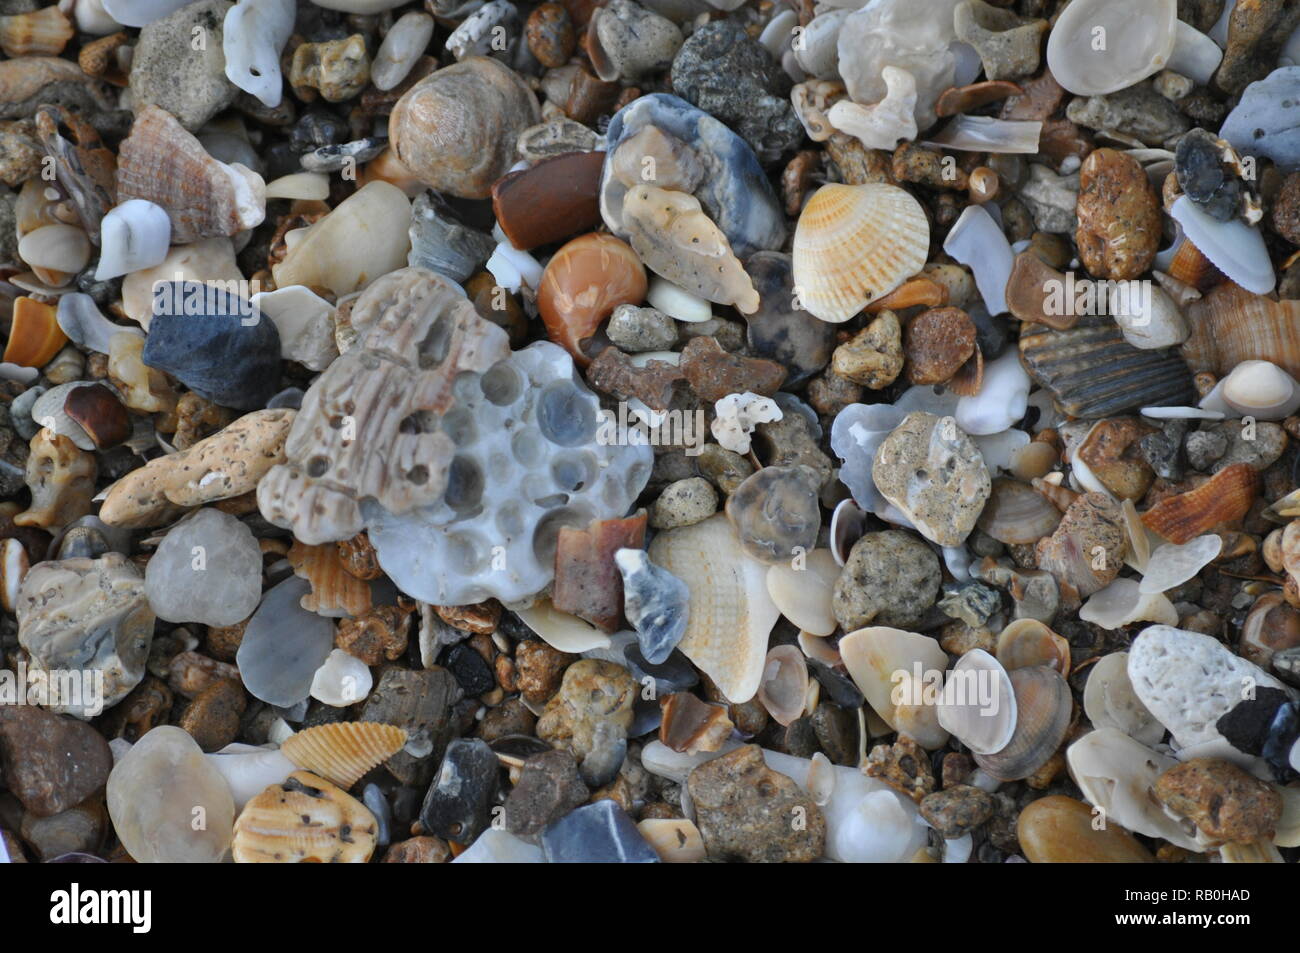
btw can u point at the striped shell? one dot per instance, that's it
(1043, 709)
(344, 751)
(335, 592)
(1231, 325)
(1093, 372)
(855, 244)
(304, 820)
(1225, 498)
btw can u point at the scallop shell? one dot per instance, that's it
(342, 752)
(855, 244)
(731, 614)
(304, 820)
(1109, 701)
(1017, 513)
(1224, 498)
(1043, 709)
(35, 336)
(335, 592)
(162, 163)
(882, 660)
(40, 33)
(1230, 325)
(1028, 642)
(979, 706)
(1093, 372)
(784, 688)
(803, 593)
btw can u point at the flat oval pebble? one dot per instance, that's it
(284, 645)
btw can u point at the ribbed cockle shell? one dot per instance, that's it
(344, 751)
(855, 244)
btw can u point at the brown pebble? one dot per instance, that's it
(550, 35)
(1061, 830)
(588, 583)
(590, 97)
(797, 179)
(481, 618)
(874, 356)
(549, 201)
(213, 717)
(222, 642)
(377, 634)
(960, 99)
(539, 669)
(1029, 291)
(1119, 216)
(425, 849)
(1112, 453)
(913, 163)
(936, 343)
(691, 726)
(957, 810)
(713, 373)
(191, 673)
(904, 766)
(1225, 802)
(358, 557)
(1286, 209)
(957, 767)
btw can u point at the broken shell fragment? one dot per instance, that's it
(1225, 498)
(1171, 565)
(1028, 642)
(803, 591)
(880, 126)
(1109, 701)
(891, 668)
(1123, 603)
(304, 820)
(854, 244)
(784, 687)
(342, 752)
(34, 336)
(1016, 513)
(134, 235)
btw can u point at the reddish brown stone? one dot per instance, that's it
(552, 200)
(587, 581)
(190, 673)
(550, 35)
(797, 179)
(1040, 97)
(359, 558)
(418, 850)
(481, 618)
(612, 373)
(960, 99)
(1119, 216)
(50, 762)
(936, 343)
(539, 669)
(377, 634)
(690, 725)
(213, 718)
(100, 413)
(1224, 801)
(590, 97)
(713, 373)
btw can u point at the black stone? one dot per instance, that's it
(1247, 725)
(839, 687)
(216, 344)
(470, 669)
(548, 788)
(1282, 735)
(459, 803)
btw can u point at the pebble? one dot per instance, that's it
(713, 373)
(154, 792)
(874, 356)
(458, 804)
(51, 762)
(90, 615)
(1061, 830)
(1262, 123)
(166, 70)
(420, 702)
(776, 512)
(223, 357)
(1225, 802)
(957, 810)
(933, 472)
(655, 601)
(418, 850)
(597, 833)
(472, 672)
(684, 503)
(750, 813)
(207, 569)
(1119, 216)
(283, 646)
(590, 716)
(548, 788)
(891, 578)
(780, 331)
(550, 34)
(723, 71)
(1138, 111)
(538, 670)
(215, 716)
(404, 43)
(341, 680)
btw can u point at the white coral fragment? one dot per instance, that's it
(738, 415)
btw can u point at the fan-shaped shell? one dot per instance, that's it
(1043, 709)
(1231, 325)
(304, 820)
(342, 752)
(1017, 513)
(854, 244)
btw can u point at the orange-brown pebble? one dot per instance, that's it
(582, 285)
(936, 343)
(1061, 830)
(35, 336)
(550, 35)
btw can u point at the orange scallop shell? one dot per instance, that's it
(1225, 498)
(333, 588)
(342, 752)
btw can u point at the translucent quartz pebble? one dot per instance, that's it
(655, 601)
(1170, 566)
(158, 792)
(343, 680)
(500, 847)
(207, 569)
(250, 770)
(283, 646)
(530, 457)
(599, 833)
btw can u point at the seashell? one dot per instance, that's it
(108, 58)
(1170, 565)
(364, 237)
(34, 336)
(731, 613)
(1139, 43)
(1257, 389)
(1028, 642)
(1261, 851)
(254, 32)
(1235, 248)
(560, 630)
(784, 688)
(83, 166)
(335, 592)
(47, 411)
(675, 839)
(1230, 325)
(677, 240)
(1190, 272)
(1016, 513)
(735, 193)
(135, 235)
(493, 27)
(1225, 498)
(1270, 627)
(986, 134)
(582, 285)
(1029, 295)
(1093, 372)
(13, 568)
(889, 665)
(975, 239)
(56, 251)
(304, 820)
(848, 523)
(882, 125)
(32, 81)
(100, 414)
(41, 33)
(1109, 701)
(342, 752)
(978, 705)
(854, 244)
(456, 129)
(162, 163)
(1043, 710)
(803, 593)
(1123, 603)
(1118, 775)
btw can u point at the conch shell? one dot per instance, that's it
(854, 244)
(674, 237)
(162, 163)
(1231, 325)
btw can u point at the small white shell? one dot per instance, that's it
(343, 680)
(253, 34)
(784, 688)
(133, 235)
(976, 240)
(1123, 602)
(1172, 565)
(562, 631)
(300, 185)
(803, 594)
(402, 46)
(848, 523)
(56, 248)
(978, 705)
(1100, 46)
(676, 302)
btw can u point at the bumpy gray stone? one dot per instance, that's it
(891, 578)
(1267, 120)
(169, 72)
(733, 78)
(634, 329)
(1137, 111)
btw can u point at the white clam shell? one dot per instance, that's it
(1109, 701)
(783, 690)
(56, 248)
(803, 593)
(978, 706)
(343, 680)
(562, 631)
(882, 660)
(1100, 46)
(1171, 565)
(1123, 602)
